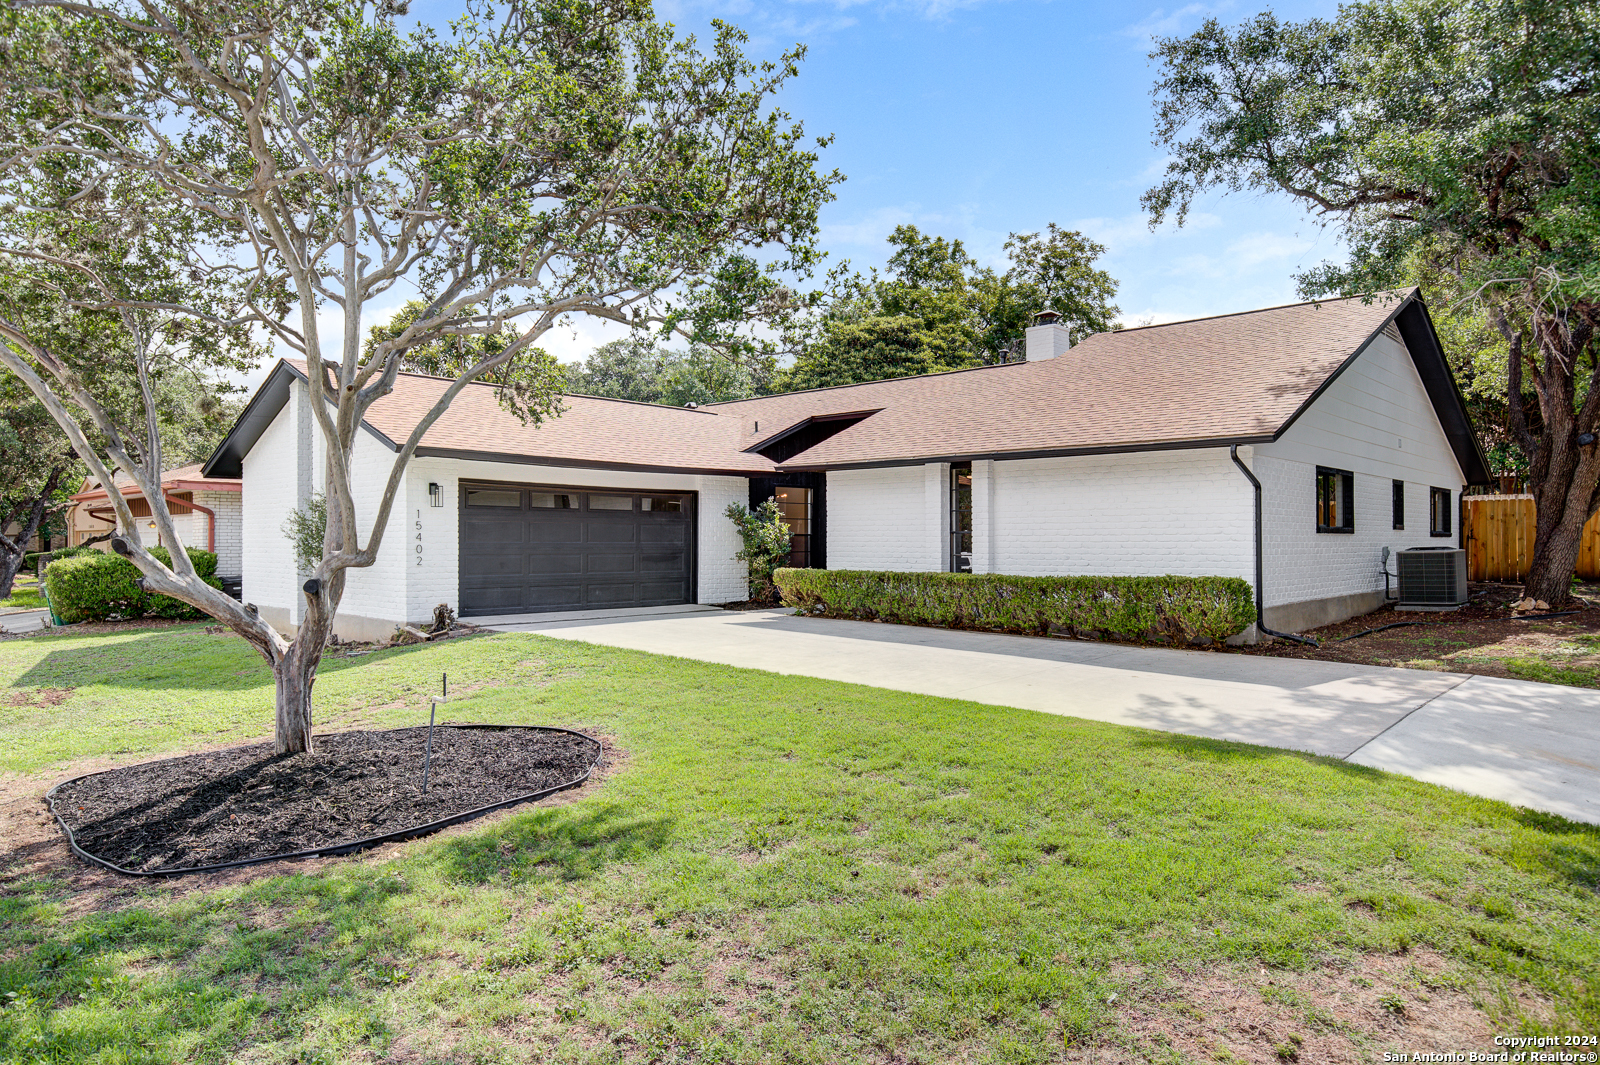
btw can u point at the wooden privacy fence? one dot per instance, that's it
(1500, 532)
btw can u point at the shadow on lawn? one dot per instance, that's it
(261, 960)
(163, 660)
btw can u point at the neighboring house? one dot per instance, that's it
(1111, 456)
(205, 513)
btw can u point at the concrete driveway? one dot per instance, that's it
(15, 622)
(1535, 745)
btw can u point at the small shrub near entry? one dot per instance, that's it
(1174, 609)
(96, 585)
(766, 542)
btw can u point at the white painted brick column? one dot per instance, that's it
(983, 516)
(935, 514)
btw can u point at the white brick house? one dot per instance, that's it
(1132, 452)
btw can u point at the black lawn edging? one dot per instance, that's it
(410, 832)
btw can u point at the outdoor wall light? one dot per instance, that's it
(435, 494)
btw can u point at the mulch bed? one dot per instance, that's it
(247, 803)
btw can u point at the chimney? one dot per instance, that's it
(1047, 337)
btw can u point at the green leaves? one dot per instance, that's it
(938, 309)
(1129, 608)
(765, 536)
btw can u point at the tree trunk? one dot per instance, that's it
(10, 566)
(11, 563)
(295, 674)
(1565, 471)
(1563, 506)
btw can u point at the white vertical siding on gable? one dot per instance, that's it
(1375, 420)
(1151, 513)
(878, 519)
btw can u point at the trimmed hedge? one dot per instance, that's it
(96, 585)
(1166, 609)
(30, 561)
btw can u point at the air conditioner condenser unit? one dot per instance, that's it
(1431, 578)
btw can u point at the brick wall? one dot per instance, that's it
(878, 519)
(1377, 422)
(228, 507)
(267, 560)
(1143, 514)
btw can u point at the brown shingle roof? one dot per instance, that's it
(1233, 378)
(591, 432)
(1229, 378)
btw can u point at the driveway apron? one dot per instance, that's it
(1535, 745)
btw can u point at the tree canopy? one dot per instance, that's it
(936, 308)
(644, 370)
(283, 164)
(1455, 140)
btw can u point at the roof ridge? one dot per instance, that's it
(1259, 310)
(876, 381)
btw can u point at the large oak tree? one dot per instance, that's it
(544, 159)
(1466, 133)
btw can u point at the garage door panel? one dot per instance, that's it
(664, 533)
(611, 562)
(561, 527)
(499, 598)
(554, 563)
(486, 564)
(615, 550)
(554, 596)
(660, 593)
(606, 532)
(494, 533)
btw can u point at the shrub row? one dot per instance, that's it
(1169, 609)
(30, 561)
(96, 585)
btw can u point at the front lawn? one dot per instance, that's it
(24, 595)
(778, 869)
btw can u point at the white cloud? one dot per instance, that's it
(1256, 248)
(1133, 230)
(870, 230)
(1164, 23)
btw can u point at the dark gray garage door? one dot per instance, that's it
(529, 548)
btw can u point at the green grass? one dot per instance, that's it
(24, 595)
(781, 870)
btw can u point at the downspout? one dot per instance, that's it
(211, 517)
(1261, 625)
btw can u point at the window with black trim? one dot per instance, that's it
(1336, 501)
(1439, 512)
(961, 517)
(1399, 504)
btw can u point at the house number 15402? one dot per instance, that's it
(419, 537)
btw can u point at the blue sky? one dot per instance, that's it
(977, 118)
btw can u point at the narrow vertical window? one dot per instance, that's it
(1439, 512)
(1335, 501)
(1399, 504)
(796, 506)
(961, 517)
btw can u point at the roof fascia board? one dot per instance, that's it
(259, 413)
(1345, 365)
(810, 419)
(1444, 392)
(1049, 453)
(582, 464)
